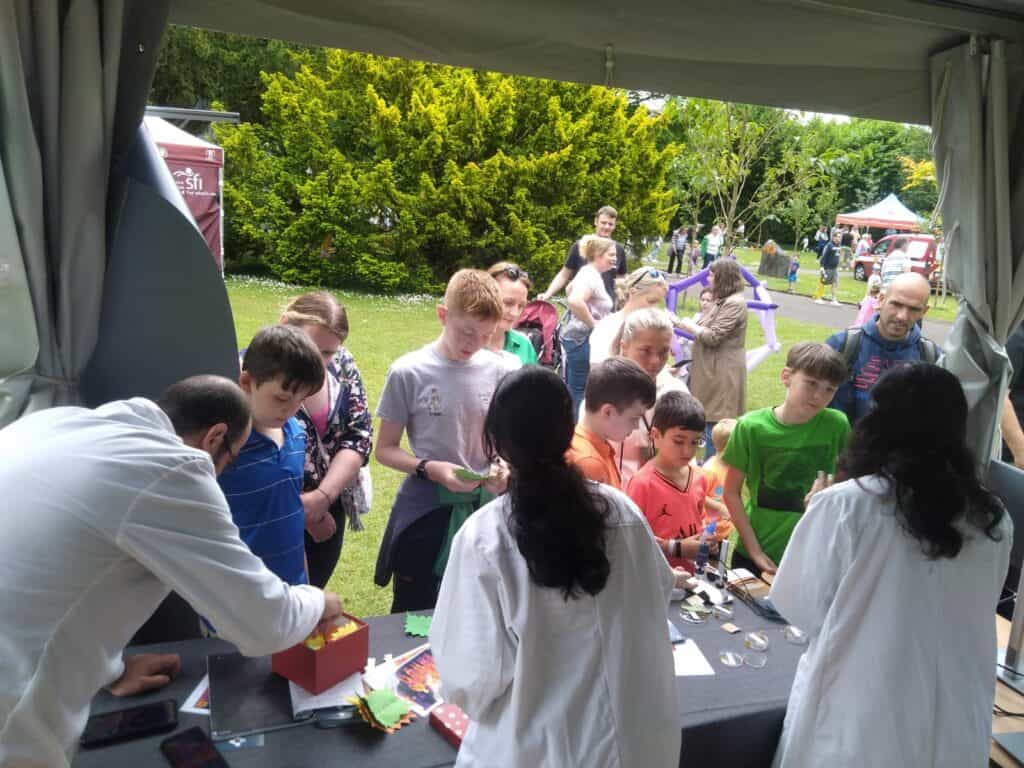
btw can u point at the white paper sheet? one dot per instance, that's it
(198, 702)
(690, 662)
(305, 703)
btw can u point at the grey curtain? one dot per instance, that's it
(977, 94)
(74, 77)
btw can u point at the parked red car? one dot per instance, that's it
(922, 250)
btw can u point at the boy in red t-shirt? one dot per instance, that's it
(669, 490)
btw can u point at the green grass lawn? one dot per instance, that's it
(384, 327)
(848, 289)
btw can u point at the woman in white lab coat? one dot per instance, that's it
(550, 627)
(895, 574)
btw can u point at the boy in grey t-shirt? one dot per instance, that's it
(439, 394)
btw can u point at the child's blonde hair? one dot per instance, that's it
(318, 308)
(475, 293)
(720, 434)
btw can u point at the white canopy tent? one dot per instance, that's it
(918, 61)
(887, 213)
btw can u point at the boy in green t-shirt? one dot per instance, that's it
(779, 452)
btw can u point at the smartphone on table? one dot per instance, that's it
(131, 723)
(192, 748)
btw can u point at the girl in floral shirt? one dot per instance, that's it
(339, 436)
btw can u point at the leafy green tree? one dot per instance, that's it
(390, 174)
(920, 191)
(198, 68)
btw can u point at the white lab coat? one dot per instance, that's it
(549, 682)
(102, 512)
(900, 669)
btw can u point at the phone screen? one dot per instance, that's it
(131, 723)
(192, 749)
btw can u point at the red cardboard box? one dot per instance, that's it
(451, 722)
(316, 671)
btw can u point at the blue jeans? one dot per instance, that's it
(577, 367)
(709, 447)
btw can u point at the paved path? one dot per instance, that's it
(804, 309)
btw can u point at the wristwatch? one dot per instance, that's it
(421, 470)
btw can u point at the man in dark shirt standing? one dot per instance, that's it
(604, 225)
(829, 260)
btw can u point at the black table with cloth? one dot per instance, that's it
(732, 718)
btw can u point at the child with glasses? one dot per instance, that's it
(669, 489)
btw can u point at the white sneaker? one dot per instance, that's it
(819, 301)
(835, 303)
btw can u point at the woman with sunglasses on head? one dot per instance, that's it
(514, 285)
(895, 574)
(645, 287)
(554, 591)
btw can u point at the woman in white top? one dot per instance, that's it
(550, 628)
(895, 574)
(645, 287)
(588, 303)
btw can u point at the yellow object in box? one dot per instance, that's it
(318, 641)
(343, 631)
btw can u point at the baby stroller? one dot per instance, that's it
(541, 323)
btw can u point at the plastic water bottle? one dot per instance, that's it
(705, 545)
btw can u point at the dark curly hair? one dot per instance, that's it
(557, 518)
(915, 437)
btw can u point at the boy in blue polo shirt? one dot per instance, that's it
(280, 369)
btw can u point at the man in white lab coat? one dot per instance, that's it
(104, 512)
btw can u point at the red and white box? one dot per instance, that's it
(316, 671)
(451, 722)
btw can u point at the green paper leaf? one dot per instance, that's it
(386, 708)
(469, 475)
(416, 625)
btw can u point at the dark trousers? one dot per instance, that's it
(414, 584)
(709, 446)
(675, 260)
(708, 258)
(322, 557)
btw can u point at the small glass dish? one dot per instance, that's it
(795, 635)
(691, 616)
(755, 660)
(756, 641)
(731, 658)
(722, 613)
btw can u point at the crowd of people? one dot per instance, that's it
(534, 510)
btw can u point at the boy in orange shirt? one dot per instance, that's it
(669, 489)
(617, 395)
(714, 469)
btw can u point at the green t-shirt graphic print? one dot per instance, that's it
(780, 462)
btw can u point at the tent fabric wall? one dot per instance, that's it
(75, 76)
(977, 136)
(886, 213)
(857, 57)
